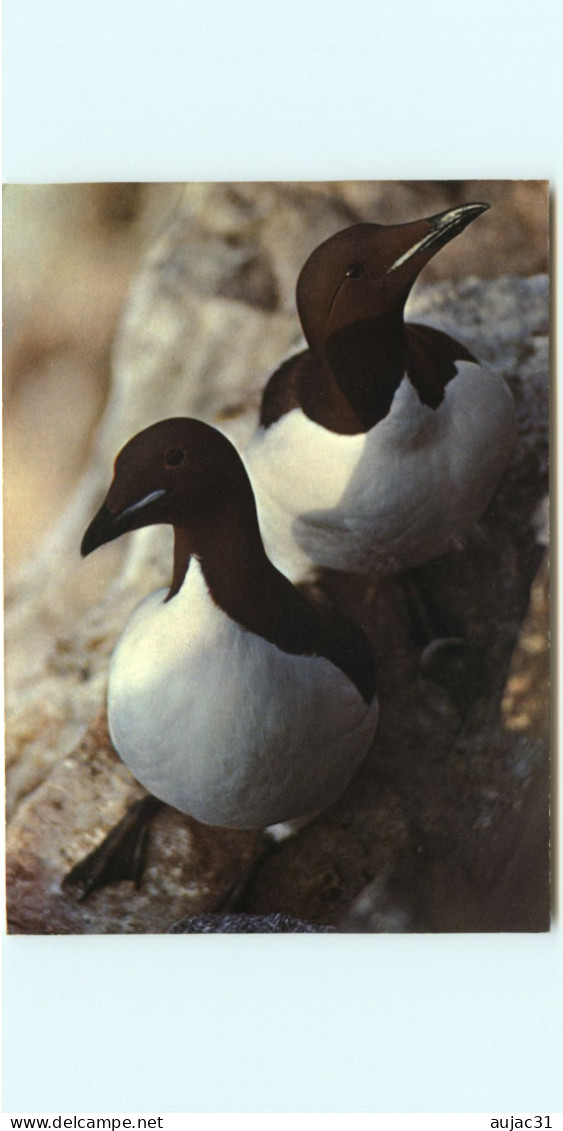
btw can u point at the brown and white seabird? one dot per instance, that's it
(381, 444)
(231, 696)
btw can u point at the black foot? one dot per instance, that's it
(121, 856)
(426, 622)
(447, 656)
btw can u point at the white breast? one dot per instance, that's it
(388, 499)
(222, 725)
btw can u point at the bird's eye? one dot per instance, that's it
(173, 457)
(356, 271)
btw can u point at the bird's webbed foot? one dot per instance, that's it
(121, 856)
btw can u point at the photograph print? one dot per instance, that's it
(276, 557)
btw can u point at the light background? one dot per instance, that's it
(207, 89)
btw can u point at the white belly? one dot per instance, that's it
(224, 726)
(388, 499)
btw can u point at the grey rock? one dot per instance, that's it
(241, 924)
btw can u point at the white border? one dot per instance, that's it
(203, 89)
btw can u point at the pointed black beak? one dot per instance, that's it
(440, 229)
(106, 525)
(451, 223)
(103, 528)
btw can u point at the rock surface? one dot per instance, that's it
(242, 924)
(444, 828)
(190, 868)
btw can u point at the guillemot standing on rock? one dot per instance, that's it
(381, 445)
(231, 696)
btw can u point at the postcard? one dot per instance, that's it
(277, 574)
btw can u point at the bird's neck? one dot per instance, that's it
(367, 360)
(243, 583)
(241, 580)
(352, 385)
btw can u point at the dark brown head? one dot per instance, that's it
(187, 474)
(179, 471)
(365, 273)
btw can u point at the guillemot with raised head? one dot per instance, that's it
(231, 696)
(381, 444)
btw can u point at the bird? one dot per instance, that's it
(231, 696)
(379, 447)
